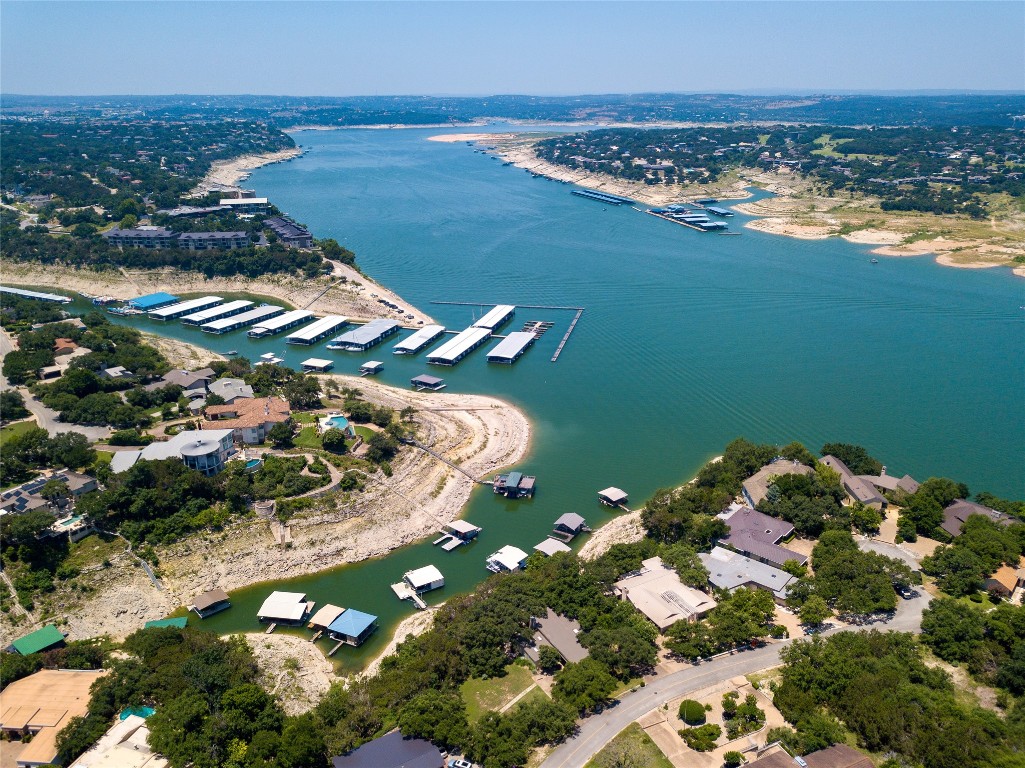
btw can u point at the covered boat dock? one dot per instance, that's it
(226, 324)
(413, 344)
(511, 347)
(215, 313)
(183, 308)
(35, 295)
(280, 323)
(314, 332)
(366, 336)
(496, 317)
(423, 381)
(455, 349)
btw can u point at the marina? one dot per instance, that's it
(496, 317)
(419, 340)
(280, 323)
(183, 308)
(694, 221)
(35, 295)
(216, 313)
(455, 349)
(718, 211)
(509, 349)
(366, 336)
(234, 322)
(149, 301)
(601, 197)
(317, 331)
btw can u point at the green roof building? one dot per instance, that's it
(40, 640)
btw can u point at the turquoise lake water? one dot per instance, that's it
(688, 340)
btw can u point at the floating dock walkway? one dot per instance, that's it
(565, 338)
(602, 197)
(579, 311)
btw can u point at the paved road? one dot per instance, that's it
(889, 550)
(598, 730)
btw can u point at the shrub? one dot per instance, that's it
(130, 437)
(732, 759)
(701, 739)
(692, 712)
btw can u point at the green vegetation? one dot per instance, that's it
(736, 621)
(12, 406)
(878, 686)
(491, 694)
(692, 712)
(702, 738)
(632, 748)
(29, 449)
(982, 547)
(743, 718)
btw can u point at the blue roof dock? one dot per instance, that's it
(353, 626)
(152, 301)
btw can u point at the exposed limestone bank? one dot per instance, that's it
(625, 529)
(292, 669)
(415, 625)
(796, 210)
(325, 295)
(181, 354)
(481, 434)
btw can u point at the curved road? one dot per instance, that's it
(598, 730)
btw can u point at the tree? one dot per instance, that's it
(54, 489)
(215, 399)
(12, 406)
(732, 759)
(857, 459)
(407, 413)
(72, 450)
(333, 440)
(280, 435)
(952, 629)
(692, 712)
(583, 685)
(814, 611)
(866, 519)
(438, 717)
(549, 660)
(702, 738)
(688, 566)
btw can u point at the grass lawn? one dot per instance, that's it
(483, 695)
(308, 438)
(624, 687)
(365, 432)
(536, 694)
(18, 428)
(304, 418)
(634, 742)
(94, 549)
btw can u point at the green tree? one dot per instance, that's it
(12, 406)
(438, 717)
(280, 435)
(856, 458)
(549, 659)
(814, 611)
(583, 685)
(333, 440)
(952, 629)
(692, 712)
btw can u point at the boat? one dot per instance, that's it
(232, 352)
(875, 261)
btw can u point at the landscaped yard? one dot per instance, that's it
(308, 437)
(483, 695)
(365, 432)
(631, 747)
(19, 427)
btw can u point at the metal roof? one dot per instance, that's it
(420, 339)
(509, 557)
(614, 495)
(552, 546)
(326, 615)
(729, 570)
(512, 346)
(152, 300)
(184, 307)
(421, 577)
(496, 317)
(205, 315)
(283, 321)
(35, 295)
(39, 640)
(571, 520)
(237, 321)
(392, 751)
(428, 381)
(457, 347)
(352, 623)
(368, 333)
(286, 606)
(324, 325)
(317, 362)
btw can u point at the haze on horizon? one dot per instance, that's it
(480, 48)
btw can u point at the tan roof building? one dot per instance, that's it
(756, 487)
(250, 418)
(657, 592)
(41, 705)
(1003, 581)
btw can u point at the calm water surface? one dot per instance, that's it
(688, 340)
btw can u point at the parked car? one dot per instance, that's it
(459, 763)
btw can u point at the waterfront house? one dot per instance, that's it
(885, 482)
(230, 389)
(245, 204)
(859, 490)
(757, 536)
(756, 487)
(26, 497)
(141, 237)
(285, 608)
(204, 450)
(424, 579)
(193, 383)
(64, 347)
(352, 627)
(210, 602)
(960, 510)
(392, 750)
(508, 558)
(251, 418)
(731, 571)
(558, 632)
(40, 706)
(657, 592)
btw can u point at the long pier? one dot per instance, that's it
(565, 338)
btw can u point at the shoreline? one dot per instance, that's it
(480, 433)
(345, 291)
(226, 174)
(791, 213)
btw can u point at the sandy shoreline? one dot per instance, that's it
(482, 434)
(351, 298)
(224, 174)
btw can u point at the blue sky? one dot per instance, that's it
(467, 48)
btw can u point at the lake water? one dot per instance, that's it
(688, 340)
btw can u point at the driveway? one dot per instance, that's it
(889, 550)
(598, 730)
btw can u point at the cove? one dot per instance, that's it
(688, 340)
